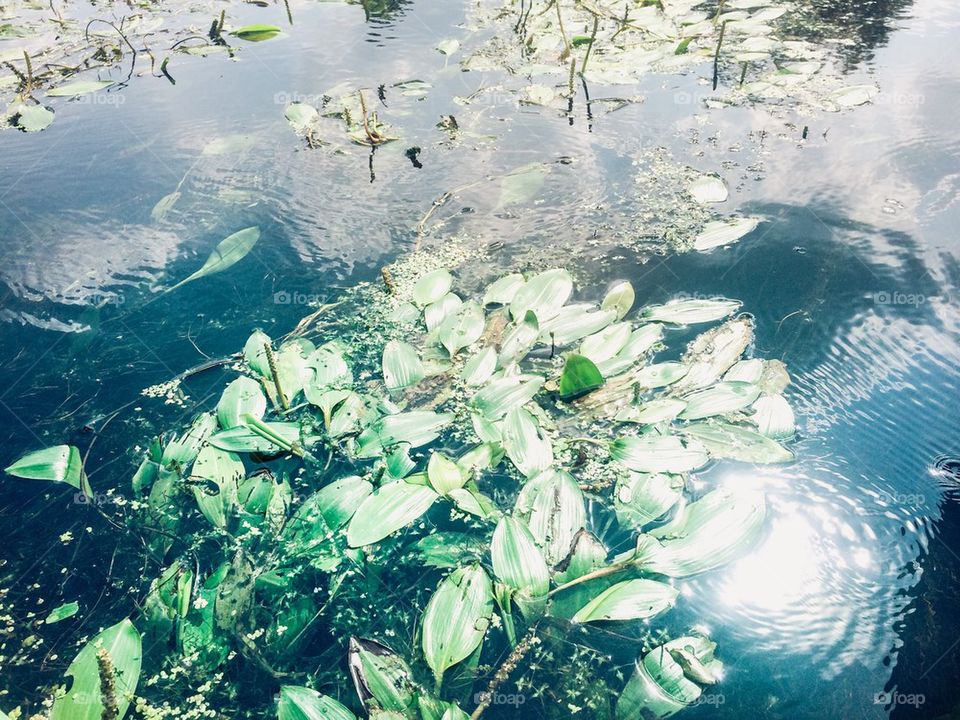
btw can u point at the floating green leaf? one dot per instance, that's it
(242, 396)
(619, 299)
(552, 506)
(691, 312)
(81, 87)
(390, 508)
(607, 343)
(519, 340)
(655, 411)
(256, 32)
(708, 189)
(658, 453)
(34, 118)
(628, 600)
(444, 474)
(544, 294)
(522, 185)
(401, 365)
(580, 376)
(222, 472)
(432, 286)
(641, 498)
(456, 618)
(661, 374)
(480, 367)
(774, 417)
(383, 680)
(502, 291)
(724, 440)
(461, 329)
(436, 312)
(519, 564)
(163, 206)
(723, 232)
(61, 463)
(574, 322)
(302, 703)
(228, 253)
(719, 399)
(502, 395)
(301, 116)
(525, 443)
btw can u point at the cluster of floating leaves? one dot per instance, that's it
(473, 438)
(748, 42)
(47, 54)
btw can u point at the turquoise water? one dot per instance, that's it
(853, 279)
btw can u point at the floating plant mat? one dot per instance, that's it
(751, 46)
(403, 482)
(49, 52)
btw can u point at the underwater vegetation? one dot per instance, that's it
(443, 493)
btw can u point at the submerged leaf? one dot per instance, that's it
(382, 679)
(62, 612)
(724, 440)
(81, 87)
(301, 116)
(228, 253)
(723, 232)
(522, 185)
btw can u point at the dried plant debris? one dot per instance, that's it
(408, 474)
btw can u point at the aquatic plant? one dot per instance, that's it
(430, 491)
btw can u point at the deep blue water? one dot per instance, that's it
(854, 279)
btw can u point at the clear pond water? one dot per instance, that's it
(846, 608)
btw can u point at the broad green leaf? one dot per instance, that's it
(456, 618)
(502, 291)
(461, 329)
(228, 253)
(745, 371)
(521, 186)
(401, 365)
(723, 232)
(257, 32)
(84, 700)
(436, 312)
(432, 286)
(708, 189)
(774, 417)
(482, 457)
(81, 87)
(551, 504)
(448, 47)
(480, 367)
(690, 312)
(243, 396)
(390, 508)
(658, 453)
(619, 299)
(658, 687)
(34, 118)
(607, 343)
(708, 533)
(525, 443)
(338, 501)
(641, 498)
(661, 374)
(62, 612)
(301, 116)
(628, 600)
(723, 440)
(519, 564)
(580, 376)
(502, 395)
(719, 399)
(641, 340)
(417, 427)
(255, 353)
(329, 367)
(302, 703)
(519, 339)
(655, 411)
(448, 549)
(586, 555)
(244, 439)
(222, 472)
(712, 353)
(444, 474)
(61, 463)
(544, 294)
(383, 680)
(574, 322)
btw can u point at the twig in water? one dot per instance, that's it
(272, 362)
(563, 33)
(503, 672)
(716, 56)
(593, 37)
